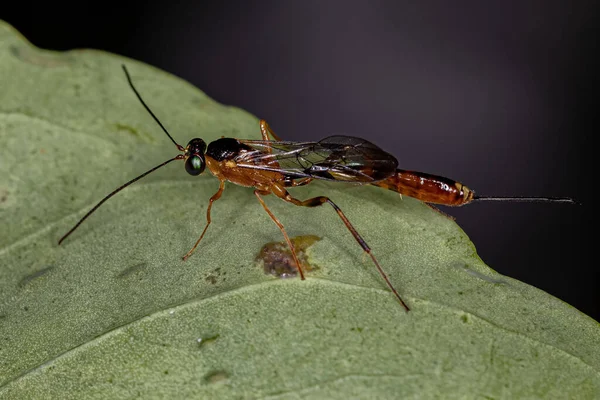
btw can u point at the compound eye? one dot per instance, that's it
(194, 165)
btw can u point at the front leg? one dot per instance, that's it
(214, 198)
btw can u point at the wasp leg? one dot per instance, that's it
(266, 130)
(320, 200)
(434, 208)
(280, 225)
(299, 182)
(214, 198)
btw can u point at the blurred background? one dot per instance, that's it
(494, 94)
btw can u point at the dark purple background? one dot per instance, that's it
(493, 94)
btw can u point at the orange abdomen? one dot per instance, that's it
(428, 188)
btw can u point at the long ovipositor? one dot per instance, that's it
(436, 189)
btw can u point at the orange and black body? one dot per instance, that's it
(428, 188)
(220, 159)
(347, 159)
(271, 165)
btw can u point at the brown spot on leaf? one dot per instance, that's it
(35, 276)
(127, 128)
(216, 376)
(277, 258)
(3, 195)
(132, 270)
(203, 341)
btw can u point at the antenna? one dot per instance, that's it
(179, 147)
(178, 157)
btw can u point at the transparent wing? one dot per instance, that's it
(339, 158)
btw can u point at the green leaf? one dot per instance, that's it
(114, 312)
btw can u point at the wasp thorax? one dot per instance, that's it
(226, 149)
